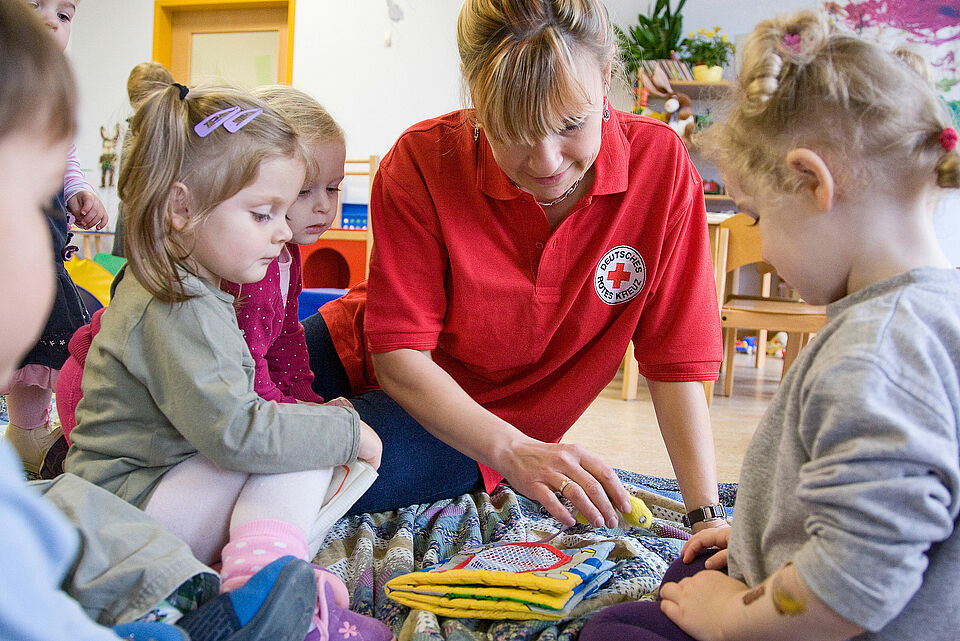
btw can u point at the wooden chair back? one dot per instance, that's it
(364, 167)
(759, 313)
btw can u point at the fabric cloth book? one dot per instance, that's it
(507, 581)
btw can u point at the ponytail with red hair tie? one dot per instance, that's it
(948, 139)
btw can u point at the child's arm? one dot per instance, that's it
(712, 606)
(82, 201)
(196, 366)
(872, 492)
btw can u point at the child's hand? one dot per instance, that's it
(371, 449)
(88, 211)
(714, 537)
(339, 402)
(701, 604)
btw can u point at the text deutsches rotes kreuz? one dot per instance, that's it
(620, 275)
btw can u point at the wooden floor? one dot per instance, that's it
(625, 433)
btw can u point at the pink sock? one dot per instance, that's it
(254, 544)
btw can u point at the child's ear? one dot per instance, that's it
(179, 206)
(816, 176)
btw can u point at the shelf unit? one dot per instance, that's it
(702, 90)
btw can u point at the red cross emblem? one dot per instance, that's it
(619, 275)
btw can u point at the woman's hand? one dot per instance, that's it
(371, 449)
(712, 537)
(538, 470)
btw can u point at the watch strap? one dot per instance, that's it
(704, 513)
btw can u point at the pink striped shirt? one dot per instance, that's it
(73, 180)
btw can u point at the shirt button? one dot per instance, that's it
(538, 245)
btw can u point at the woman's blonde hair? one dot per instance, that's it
(519, 62)
(167, 150)
(34, 75)
(312, 122)
(804, 83)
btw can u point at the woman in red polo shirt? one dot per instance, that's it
(520, 246)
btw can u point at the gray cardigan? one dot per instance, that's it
(854, 472)
(164, 381)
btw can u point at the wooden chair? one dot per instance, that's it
(372, 164)
(795, 317)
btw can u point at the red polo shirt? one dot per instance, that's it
(534, 324)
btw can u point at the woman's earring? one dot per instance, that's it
(606, 110)
(476, 133)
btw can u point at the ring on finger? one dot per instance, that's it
(565, 483)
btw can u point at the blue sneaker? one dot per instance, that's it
(277, 603)
(150, 631)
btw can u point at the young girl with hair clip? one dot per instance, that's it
(846, 515)
(170, 419)
(129, 573)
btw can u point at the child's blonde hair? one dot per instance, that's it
(31, 65)
(167, 150)
(312, 122)
(519, 61)
(804, 83)
(145, 79)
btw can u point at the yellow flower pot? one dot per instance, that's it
(703, 73)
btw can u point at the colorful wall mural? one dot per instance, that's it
(929, 27)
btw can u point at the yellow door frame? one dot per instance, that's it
(164, 10)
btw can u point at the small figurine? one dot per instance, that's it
(676, 104)
(777, 346)
(108, 158)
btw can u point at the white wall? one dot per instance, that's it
(374, 91)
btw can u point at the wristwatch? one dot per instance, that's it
(705, 513)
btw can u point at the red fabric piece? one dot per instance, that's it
(344, 319)
(69, 391)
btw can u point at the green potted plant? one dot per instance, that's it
(654, 37)
(708, 52)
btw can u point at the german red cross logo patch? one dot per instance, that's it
(620, 275)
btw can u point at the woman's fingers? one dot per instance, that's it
(548, 499)
(542, 470)
(609, 481)
(590, 499)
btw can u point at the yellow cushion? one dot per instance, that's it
(91, 276)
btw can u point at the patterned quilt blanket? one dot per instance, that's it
(368, 550)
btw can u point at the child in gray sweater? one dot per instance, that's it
(850, 492)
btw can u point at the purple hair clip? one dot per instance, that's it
(792, 42)
(233, 120)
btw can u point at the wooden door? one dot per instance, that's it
(244, 42)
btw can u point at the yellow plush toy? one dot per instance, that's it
(640, 515)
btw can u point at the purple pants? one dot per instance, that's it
(643, 620)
